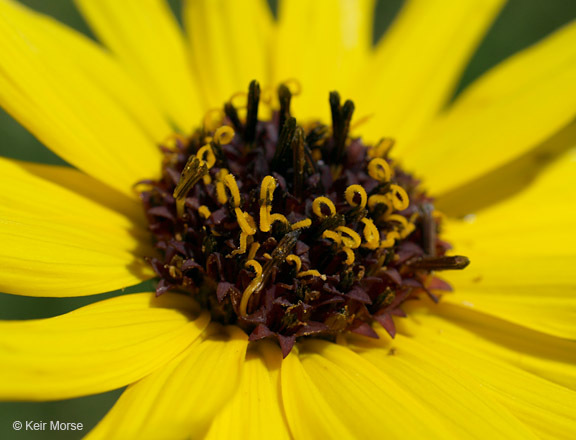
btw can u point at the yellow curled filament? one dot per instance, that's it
(378, 199)
(224, 135)
(350, 257)
(295, 259)
(400, 199)
(351, 191)
(352, 240)
(306, 223)
(220, 187)
(266, 196)
(252, 287)
(323, 201)
(371, 234)
(379, 170)
(204, 211)
(213, 118)
(230, 183)
(391, 237)
(334, 236)
(311, 272)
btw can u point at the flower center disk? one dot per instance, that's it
(289, 230)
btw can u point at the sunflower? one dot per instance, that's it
(310, 251)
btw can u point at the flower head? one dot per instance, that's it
(296, 240)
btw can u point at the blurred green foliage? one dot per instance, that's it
(521, 23)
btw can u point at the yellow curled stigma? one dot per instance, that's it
(254, 284)
(204, 211)
(279, 217)
(243, 244)
(220, 187)
(351, 191)
(378, 199)
(174, 140)
(371, 234)
(353, 240)
(230, 183)
(312, 272)
(350, 256)
(245, 221)
(379, 170)
(294, 86)
(381, 148)
(317, 206)
(207, 155)
(224, 135)
(400, 199)
(238, 99)
(391, 237)
(295, 259)
(302, 224)
(213, 119)
(398, 218)
(266, 196)
(331, 235)
(253, 249)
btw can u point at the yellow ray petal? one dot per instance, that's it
(322, 44)
(543, 355)
(418, 63)
(180, 399)
(230, 45)
(97, 348)
(145, 37)
(255, 411)
(312, 416)
(362, 396)
(523, 254)
(60, 242)
(544, 407)
(72, 48)
(506, 113)
(459, 398)
(54, 98)
(509, 179)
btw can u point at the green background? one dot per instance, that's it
(521, 23)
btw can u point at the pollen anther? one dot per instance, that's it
(323, 201)
(351, 191)
(379, 170)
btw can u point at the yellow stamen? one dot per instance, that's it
(390, 239)
(381, 148)
(371, 234)
(213, 119)
(204, 211)
(378, 199)
(334, 236)
(279, 217)
(351, 191)
(379, 170)
(220, 187)
(294, 86)
(266, 196)
(253, 249)
(245, 221)
(174, 139)
(224, 135)
(207, 155)
(231, 184)
(243, 244)
(400, 198)
(398, 218)
(312, 272)
(317, 206)
(353, 240)
(254, 284)
(306, 223)
(295, 259)
(350, 257)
